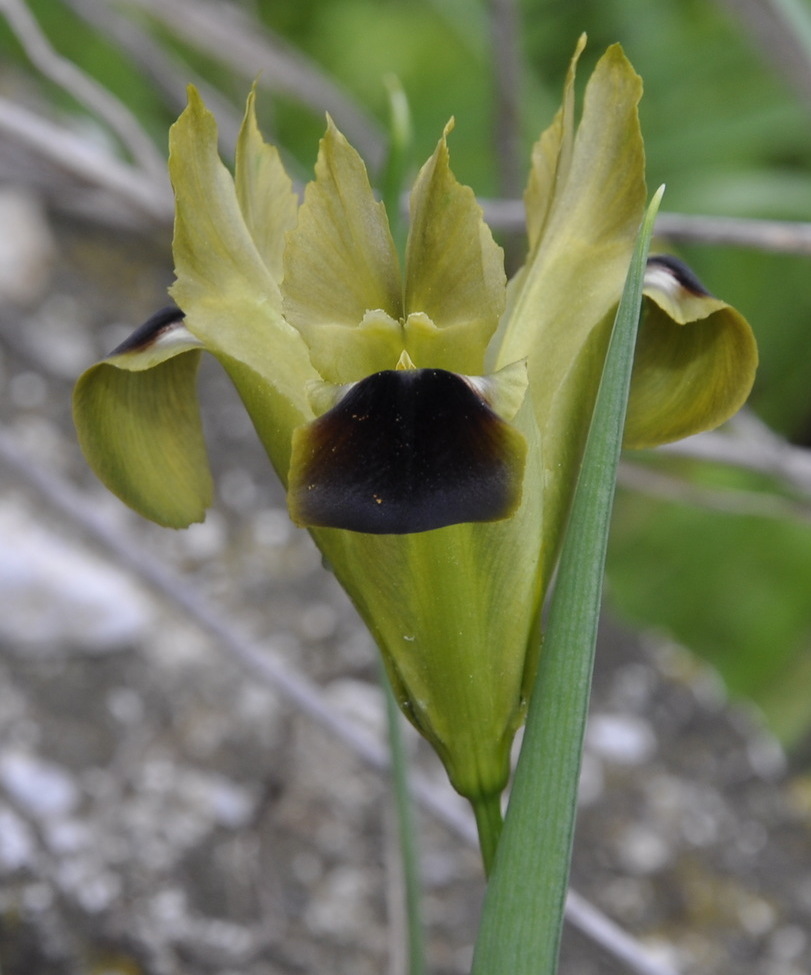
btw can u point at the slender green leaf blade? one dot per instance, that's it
(406, 832)
(523, 910)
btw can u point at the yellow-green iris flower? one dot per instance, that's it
(427, 422)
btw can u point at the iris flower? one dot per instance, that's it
(428, 421)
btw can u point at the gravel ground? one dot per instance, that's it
(162, 811)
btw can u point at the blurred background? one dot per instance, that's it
(166, 804)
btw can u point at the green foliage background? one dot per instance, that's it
(727, 134)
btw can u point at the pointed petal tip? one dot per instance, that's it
(194, 100)
(332, 131)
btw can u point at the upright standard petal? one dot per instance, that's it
(560, 305)
(226, 281)
(138, 423)
(455, 281)
(341, 263)
(265, 192)
(213, 249)
(552, 157)
(575, 269)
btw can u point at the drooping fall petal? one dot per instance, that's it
(138, 423)
(406, 451)
(695, 359)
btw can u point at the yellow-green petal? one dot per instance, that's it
(227, 290)
(695, 360)
(138, 424)
(265, 192)
(454, 272)
(213, 250)
(574, 274)
(340, 262)
(552, 157)
(561, 304)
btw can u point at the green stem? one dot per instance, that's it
(489, 823)
(407, 833)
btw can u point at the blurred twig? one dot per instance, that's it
(83, 88)
(783, 236)
(775, 27)
(166, 70)
(294, 687)
(780, 236)
(747, 444)
(223, 32)
(80, 159)
(750, 445)
(644, 479)
(797, 16)
(506, 62)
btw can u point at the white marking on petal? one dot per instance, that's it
(174, 336)
(660, 278)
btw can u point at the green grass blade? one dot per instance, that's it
(523, 910)
(398, 162)
(406, 831)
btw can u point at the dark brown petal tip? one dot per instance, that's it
(671, 273)
(151, 331)
(406, 451)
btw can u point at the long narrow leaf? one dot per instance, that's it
(523, 910)
(406, 833)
